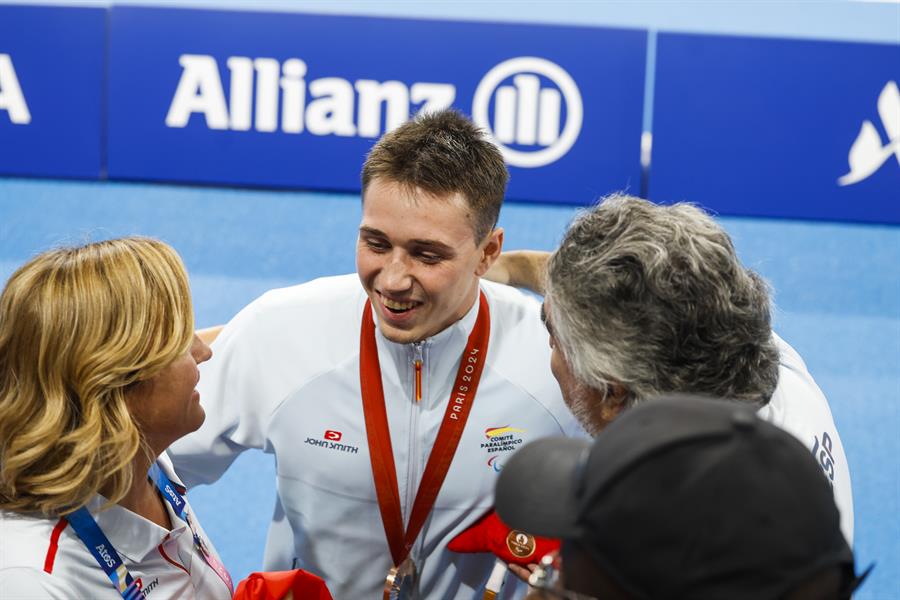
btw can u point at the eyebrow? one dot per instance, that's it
(434, 244)
(372, 231)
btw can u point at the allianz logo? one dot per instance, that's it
(868, 153)
(513, 103)
(11, 98)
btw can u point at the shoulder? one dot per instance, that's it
(511, 304)
(25, 583)
(44, 558)
(518, 338)
(800, 407)
(520, 351)
(798, 404)
(28, 549)
(300, 327)
(516, 319)
(26, 540)
(299, 302)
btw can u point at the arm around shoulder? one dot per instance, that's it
(521, 268)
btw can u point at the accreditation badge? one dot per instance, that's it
(400, 581)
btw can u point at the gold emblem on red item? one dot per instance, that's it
(520, 544)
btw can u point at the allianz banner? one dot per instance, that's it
(783, 128)
(51, 91)
(294, 100)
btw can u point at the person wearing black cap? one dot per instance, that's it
(681, 497)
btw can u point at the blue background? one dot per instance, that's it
(58, 55)
(763, 127)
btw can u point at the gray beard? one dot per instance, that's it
(585, 406)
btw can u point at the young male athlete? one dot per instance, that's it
(390, 399)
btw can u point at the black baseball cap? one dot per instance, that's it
(683, 497)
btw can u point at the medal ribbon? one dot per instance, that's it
(381, 454)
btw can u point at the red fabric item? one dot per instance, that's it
(275, 584)
(490, 534)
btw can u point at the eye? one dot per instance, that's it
(429, 257)
(377, 245)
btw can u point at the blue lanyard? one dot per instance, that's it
(106, 556)
(103, 552)
(173, 493)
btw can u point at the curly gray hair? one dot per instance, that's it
(654, 299)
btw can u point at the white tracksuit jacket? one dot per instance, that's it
(285, 379)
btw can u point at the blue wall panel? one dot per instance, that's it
(769, 127)
(292, 100)
(51, 91)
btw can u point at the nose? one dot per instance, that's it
(395, 275)
(200, 350)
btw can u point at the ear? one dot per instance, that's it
(614, 403)
(491, 248)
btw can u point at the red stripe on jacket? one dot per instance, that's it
(54, 544)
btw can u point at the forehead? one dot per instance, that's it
(404, 212)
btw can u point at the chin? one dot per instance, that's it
(398, 336)
(195, 420)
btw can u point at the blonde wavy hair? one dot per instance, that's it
(79, 327)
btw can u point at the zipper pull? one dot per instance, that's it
(417, 365)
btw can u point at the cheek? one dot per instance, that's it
(366, 265)
(557, 364)
(439, 285)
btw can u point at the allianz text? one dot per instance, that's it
(267, 96)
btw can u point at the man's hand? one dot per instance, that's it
(522, 573)
(521, 268)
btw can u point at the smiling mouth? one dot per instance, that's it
(396, 307)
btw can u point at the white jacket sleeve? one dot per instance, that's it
(232, 394)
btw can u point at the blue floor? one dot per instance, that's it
(837, 292)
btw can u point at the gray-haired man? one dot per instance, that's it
(643, 300)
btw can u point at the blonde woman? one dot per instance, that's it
(98, 365)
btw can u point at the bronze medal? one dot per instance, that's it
(400, 581)
(520, 544)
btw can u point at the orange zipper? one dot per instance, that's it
(418, 365)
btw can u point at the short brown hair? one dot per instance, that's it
(443, 153)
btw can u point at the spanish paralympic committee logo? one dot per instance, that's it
(495, 464)
(528, 113)
(868, 153)
(502, 439)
